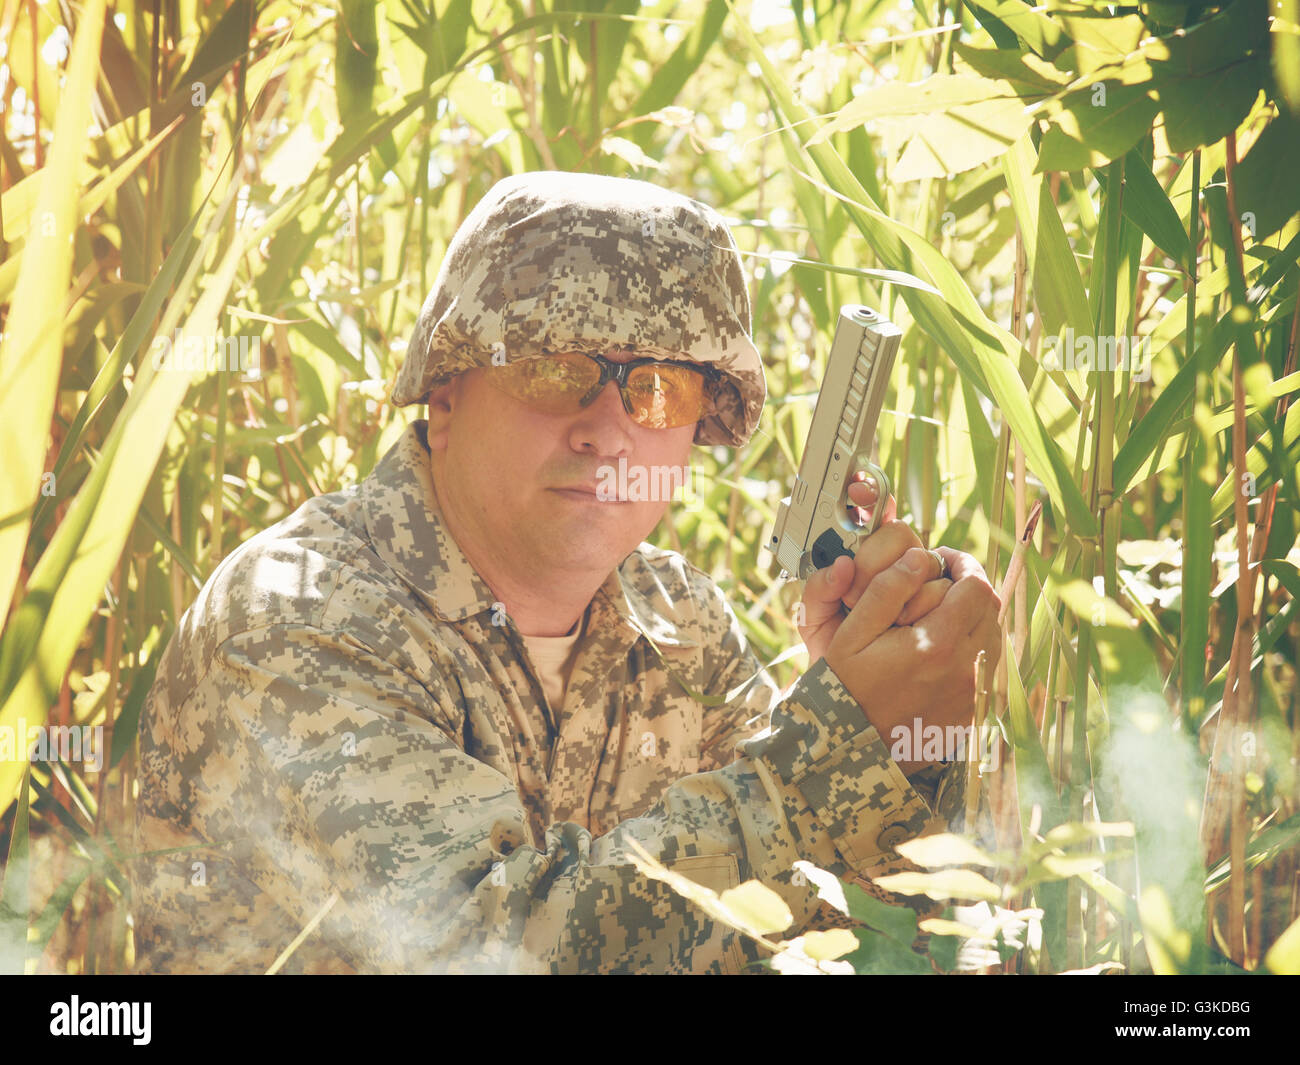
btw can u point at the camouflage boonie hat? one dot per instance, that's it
(551, 261)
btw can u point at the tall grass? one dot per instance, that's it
(293, 174)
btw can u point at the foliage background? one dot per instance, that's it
(293, 172)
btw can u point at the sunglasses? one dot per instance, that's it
(656, 394)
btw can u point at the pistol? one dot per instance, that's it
(813, 527)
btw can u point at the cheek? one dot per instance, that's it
(672, 447)
(667, 449)
(496, 435)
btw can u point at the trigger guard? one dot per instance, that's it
(885, 492)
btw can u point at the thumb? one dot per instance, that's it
(884, 598)
(823, 591)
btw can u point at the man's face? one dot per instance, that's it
(519, 486)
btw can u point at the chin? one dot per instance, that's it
(590, 552)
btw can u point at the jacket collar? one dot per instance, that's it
(407, 531)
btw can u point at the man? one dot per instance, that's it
(422, 718)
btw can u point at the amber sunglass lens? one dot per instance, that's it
(665, 396)
(554, 384)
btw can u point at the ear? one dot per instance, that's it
(442, 401)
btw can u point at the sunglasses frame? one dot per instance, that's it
(618, 372)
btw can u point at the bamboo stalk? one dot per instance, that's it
(1224, 810)
(1013, 583)
(973, 751)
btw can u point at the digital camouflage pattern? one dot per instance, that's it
(345, 727)
(550, 261)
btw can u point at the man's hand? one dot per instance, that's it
(907, 647)
(926, 669)
(829, 591)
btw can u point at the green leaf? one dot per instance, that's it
(882, 956)
(983, 351)
(1002, 35)
(600, 43)
(1147, 206)
(1262, 848)
(30, 355)
(825, 946)
(673, 74)
(20, 635)
(630, 152)
(1258, 466)
(111, 372)
(757, 906)
(1076, 832)
(1097, 125)
(1036, 790)
(127, 725)
(1066, 865)
(1189, 122)
(945, 884)
(1100, 39)
(1058, 285)
(1030, 25)
(217, 52)
(896, 922)
(1029, 76)
(943, 848)
(356, 51)
(961, 138)
(20, 201)
(73, 570)
(943, 949)
(1241, 27)
(1268, 193)
(937, 94)
(1286, 55)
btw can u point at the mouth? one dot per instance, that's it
(584, 494)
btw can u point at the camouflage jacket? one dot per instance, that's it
(341, 739)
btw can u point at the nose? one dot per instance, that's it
(603, 427)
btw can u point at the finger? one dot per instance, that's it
(878, 552)
(863, 493)
(969, 602)
(962, 565)
(884, 598)
(823, 593)
(929, 597)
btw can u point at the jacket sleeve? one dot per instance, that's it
(315, 768)
(821, 758)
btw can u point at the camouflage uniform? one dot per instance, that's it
(347, 728)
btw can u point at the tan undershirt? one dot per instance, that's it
(554, 657)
